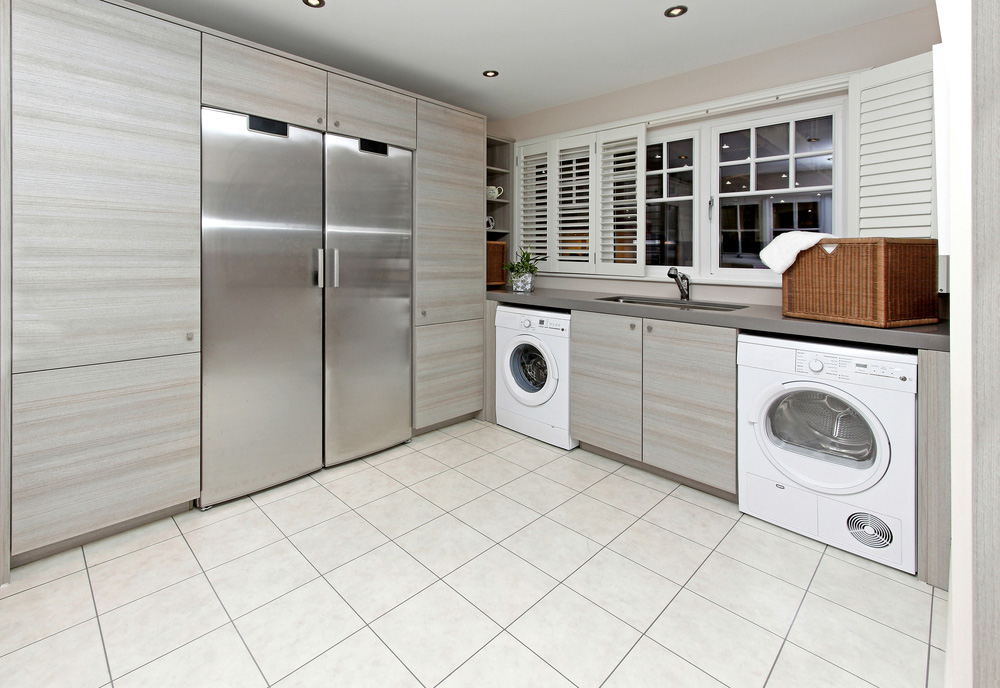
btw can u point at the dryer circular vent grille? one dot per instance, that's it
(869, 530)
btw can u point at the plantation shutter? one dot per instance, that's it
(621, 233)
(572, 247)
(895, 160)
(533, 200)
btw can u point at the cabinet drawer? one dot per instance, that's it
(355, 108)
(448, 371)
(243, 79)
(98, 445)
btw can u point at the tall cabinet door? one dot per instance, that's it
(605, 367)
(689, 401)
(449, 252)
(106, 181)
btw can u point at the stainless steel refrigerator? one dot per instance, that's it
(284, 255)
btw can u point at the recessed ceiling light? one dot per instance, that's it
(491, 73)
(313, 3)
(676, 11)
(683, 157)
(812, 139)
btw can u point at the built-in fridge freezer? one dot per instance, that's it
(291, 374)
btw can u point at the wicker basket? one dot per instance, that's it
(496, 256)
(878, 282)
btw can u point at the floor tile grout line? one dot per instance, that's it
(870, 618)
(823, 659)
(229, 616)
(877, 573)
(38, 585)
(97, 617)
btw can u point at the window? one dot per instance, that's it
(772, 178)
(670, 174)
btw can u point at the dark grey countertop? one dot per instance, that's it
(764, 319)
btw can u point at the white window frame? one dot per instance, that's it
(711, 238)
(664, 136)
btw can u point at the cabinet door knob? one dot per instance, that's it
(631, 326)
(423, 312)
(649, 328)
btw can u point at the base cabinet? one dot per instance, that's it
(98, 445)
(605, 369)
(689, 401)
(657, 391)
(447, 371)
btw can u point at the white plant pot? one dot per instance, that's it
(523, 283)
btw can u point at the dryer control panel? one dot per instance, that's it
(844, 368)
(538, 322)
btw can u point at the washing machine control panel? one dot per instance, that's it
(545, 325)
(851, 368)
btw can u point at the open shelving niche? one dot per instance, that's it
(499, 165)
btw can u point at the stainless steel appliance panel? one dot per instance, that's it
(369, 221)
(262, 308)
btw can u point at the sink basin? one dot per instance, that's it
(675, 303)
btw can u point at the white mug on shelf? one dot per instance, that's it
(493, 192)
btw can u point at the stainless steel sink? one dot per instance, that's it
(675, 303)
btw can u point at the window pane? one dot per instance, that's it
(680, 153)
(654, 157)
(808, 215)
(734, 178)
(814, 134)
(680, 184)
(783, 215)
(734, 145)
(741, 233)
(772, 175)
(772, 140)
(669, 233)
(816, 170)
(654, 186)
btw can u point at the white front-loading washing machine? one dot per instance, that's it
(532, 373)
(827, 444)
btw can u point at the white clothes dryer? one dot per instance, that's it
(532, 373)
(827, 444)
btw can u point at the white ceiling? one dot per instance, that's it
(548, 52)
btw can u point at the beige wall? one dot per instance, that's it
(869, 45)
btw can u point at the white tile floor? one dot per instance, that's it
(470, 557)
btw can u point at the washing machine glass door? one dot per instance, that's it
(529, 370)
(822, 437)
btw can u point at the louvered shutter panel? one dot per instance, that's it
(896, 150)
(621, 234)
(533, 200)
(574, 206)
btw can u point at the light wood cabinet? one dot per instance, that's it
(239, 78)
(448, 371)
(94, 446)
(106, 185)
(605, 368)
(934, 467)
(689, 401)
(449, 247)
(355, 108)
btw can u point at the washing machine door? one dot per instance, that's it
(821, 437)
(529, 370)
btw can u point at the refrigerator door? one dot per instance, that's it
(369, 219)
(262, 308)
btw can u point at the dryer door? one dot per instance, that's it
(529, 370)
(821, 437)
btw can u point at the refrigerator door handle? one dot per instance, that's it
(320, 268)
(336, 268)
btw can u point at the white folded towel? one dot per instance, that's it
(782, 251)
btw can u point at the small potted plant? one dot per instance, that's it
(522, 271)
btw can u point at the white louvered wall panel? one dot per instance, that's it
(621, 246)
(534, 201)
(896, 155)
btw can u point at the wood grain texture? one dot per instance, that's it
(449, 242)
(689, 401)
(985, 341)
(489, 412)
(355, 108)
(5, 302)
(605, 382)
(97, 445)
(933, 468)
(106, 185)
(243, 79)
(447, 371)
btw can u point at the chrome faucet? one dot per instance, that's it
(683, 283)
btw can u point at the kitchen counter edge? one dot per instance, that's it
(753, 318)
